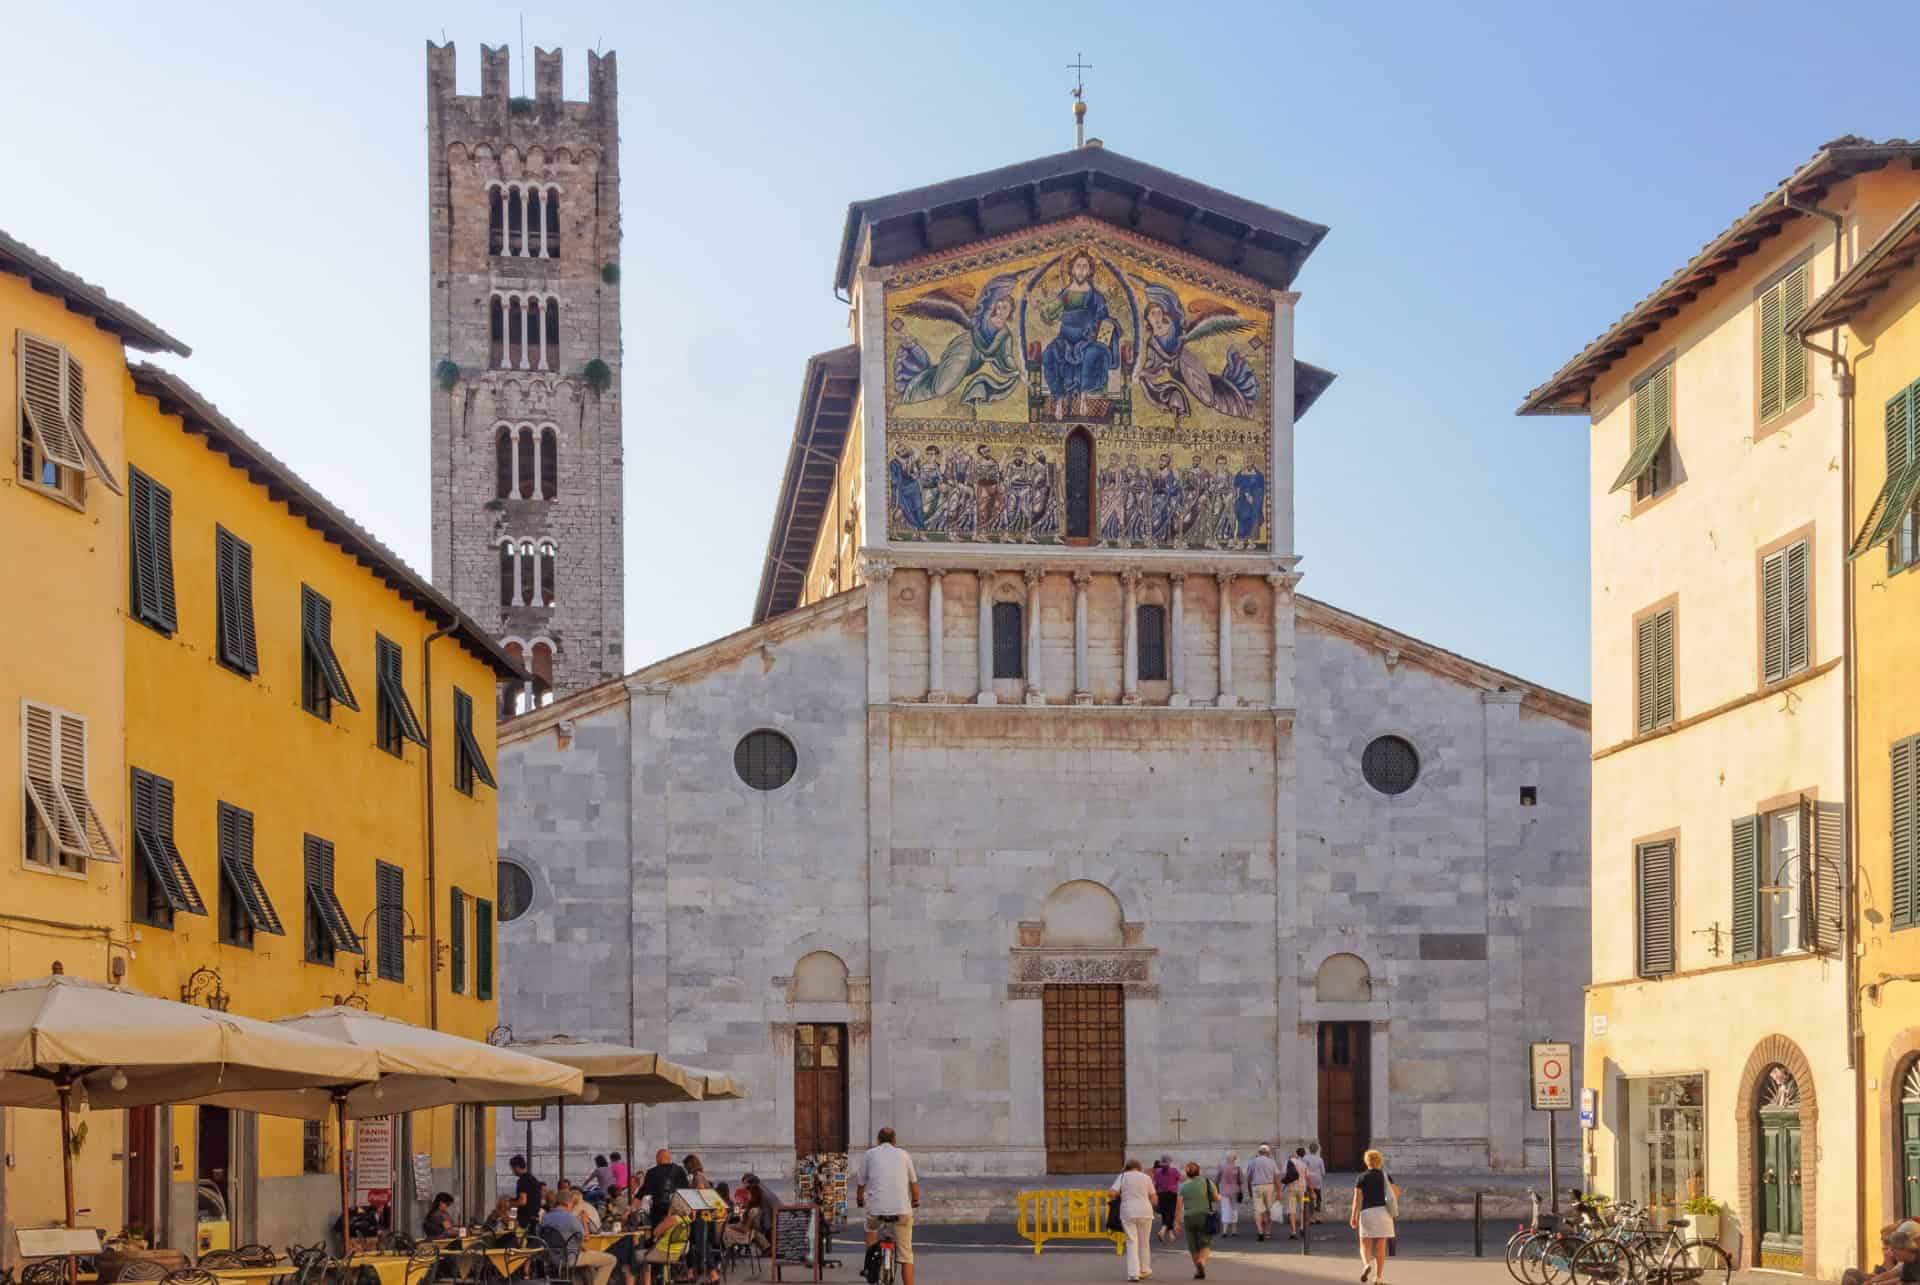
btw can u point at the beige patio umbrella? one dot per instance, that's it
(616, 1075)
(718, 1086)
(120, 1048)
(415, 1068)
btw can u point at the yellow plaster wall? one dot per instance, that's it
(219, 735)
(1886, 344)
(834, 565)
(67, 589)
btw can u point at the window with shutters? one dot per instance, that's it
(1894, 518)
(1651, 466)
(1151, 626)
(482, 948)
(329, 932)
(162, 885)
(469, 764)
(457, 945)
(390, 921)
(1786, 607)
(395, 718)
(1783, 364)
(1654, 907)
(323, 682)
(55, 452)
(245, 907)
(1008, 643)
(1773, 891)
(1653, 677)
(1903, 885)
(239, 646)
(150, 560)
(62, 831)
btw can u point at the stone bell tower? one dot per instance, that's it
(523, 210)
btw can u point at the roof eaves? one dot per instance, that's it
(1840, 157)
(1893, 253)
(844, 361)
(86, 299)
(178, 398)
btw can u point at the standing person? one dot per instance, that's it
(622, 1177)
(1372, 1216)
(1229, 1178)
(1316, 1177)
(600, 1181)
(1134, 1190)
(1299, 1186)
(659, 1183)
(526, 1193)
(1166, 1186)
(1198, 1204)
(1263, 1176)
(890, 1173)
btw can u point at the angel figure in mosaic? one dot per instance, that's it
(1174, 376)
(979, 364)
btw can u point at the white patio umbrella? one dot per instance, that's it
(415, 1068)
(718, 1086)
(120, 1048)
(616, 1075)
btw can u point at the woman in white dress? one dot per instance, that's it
(1374, 1200)
(1134, 1190)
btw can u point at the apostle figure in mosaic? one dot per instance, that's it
(989, 492)
(1166, 501)
(903, 476)
(933, 481)
(1076, 362)
(1139, 505)
(980, 364)
(1220, 522)
(1044, 496)
(1017, 515)
(1190, 525)
(1113, 504)
(957, 495)
(1249, 502)
(1172, 373)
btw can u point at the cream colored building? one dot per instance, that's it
(1718, 1030)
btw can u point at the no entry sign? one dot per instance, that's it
(1552, 1076)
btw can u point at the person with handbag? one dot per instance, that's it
(1132, 1206)
(1230, 1179)
(1199, 1215)
(1376, 1203)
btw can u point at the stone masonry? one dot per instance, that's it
(571, 149)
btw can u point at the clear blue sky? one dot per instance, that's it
(1502, 180)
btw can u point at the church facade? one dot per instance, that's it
(1037, 813)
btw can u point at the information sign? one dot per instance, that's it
(1552, 1076)
(529, 1115)
(373, 1161)
(1589, 1108)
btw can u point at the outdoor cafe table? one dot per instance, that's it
(253, 1275)
(465, 1253)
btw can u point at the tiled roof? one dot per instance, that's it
(177, 397)
(1569, 391)
(88, 300)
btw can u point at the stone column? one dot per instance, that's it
(1280, 474)
(1082, 688)
(936, 636)
(1227, 699)
(1282, 583)
(525, 308)
(1177, 641)
(519, 591)
(1130, 627)
(539, 324)
(541, 205)
(986, 696)
(1036, 692)
(875, 573)
(533, 599)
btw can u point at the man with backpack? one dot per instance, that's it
(1293, 1189)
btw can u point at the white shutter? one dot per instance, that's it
(73, 789)
(41, 756)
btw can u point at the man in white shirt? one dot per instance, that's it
(1263, 1177)
(895, 1184)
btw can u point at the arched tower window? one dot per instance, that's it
(509, 700)
(509, 575)
(543, 575)
(524, 458)
(549, 463)
(1007, 651)
(550, 350)
(497, 332)
(516, 221)
(1080, 497)
(502, 462)
(496, 221)
(541, 663)
(552, 205)
(536, 220)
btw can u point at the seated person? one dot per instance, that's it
(564, 1222)
(502, 1218)
(657, 1252)
(438, 1224)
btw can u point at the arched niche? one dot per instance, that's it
(820, 977)
(1343, 979)
(1081, 914)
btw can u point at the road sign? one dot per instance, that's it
(1552, 1076)
(1589, 1108)
(529, 1114)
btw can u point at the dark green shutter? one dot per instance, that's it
(1906, 829)
(233, 580)
(1772, 355)
(335, 927)
(482, 948)
(390, 672)
(1829, 877)
(236, 862)
(1746, 888)
(1652, 422)
(1895, 500)
(1809, 855)
(153, 836)
(316, 634)
(458, 950)
(1793, 358)
(469, 758)
(389, 890)
(1773, 616)
(150, 525)
(1645, 648)
(1655, 878)
(1795, 609)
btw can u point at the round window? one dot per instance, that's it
(765, 760)
(515, 891)
(1390, 764)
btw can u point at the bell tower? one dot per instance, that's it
(523, 212)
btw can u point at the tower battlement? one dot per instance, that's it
(497, 105)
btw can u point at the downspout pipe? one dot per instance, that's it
(433, 883)
(1842, 371)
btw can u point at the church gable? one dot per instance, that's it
(1074, 384)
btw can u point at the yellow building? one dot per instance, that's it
(1874, 314)
(308, 733)
(1718, 1030)
(62, 662)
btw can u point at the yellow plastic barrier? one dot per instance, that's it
(1066, 1215)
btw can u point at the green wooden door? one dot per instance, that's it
(1780, 1214)
(1910, 1151)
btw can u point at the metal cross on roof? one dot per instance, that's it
(1076, 67)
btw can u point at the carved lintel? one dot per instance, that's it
(1020, 990)
(1083, 966)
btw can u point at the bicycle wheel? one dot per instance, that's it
(1514, 1244)
(1556, 1264)
(1699, 1261)
(1526, 1262)
(1604, 1261)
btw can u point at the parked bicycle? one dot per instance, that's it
(1631, 1251)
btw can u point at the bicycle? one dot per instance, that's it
(1546, 1256)
(1632, 1252)
(888, 1247)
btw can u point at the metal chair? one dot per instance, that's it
(48, 1271)
(423, 1261)
(143, 1269)
(191, 1276)
(562, 1256)
(257, 1255)
(218, 1259)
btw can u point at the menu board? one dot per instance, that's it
(796, 1239)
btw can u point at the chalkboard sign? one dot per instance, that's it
(796, 1239)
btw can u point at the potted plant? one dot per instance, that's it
(1704, 1213)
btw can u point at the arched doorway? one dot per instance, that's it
(1084, 1034)
(1777, 1116)
(1341, 1063)
(1906, 1139)
(1778, 1152)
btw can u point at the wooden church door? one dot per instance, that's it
(1342, 1064)
(1084, 1037)
(819, 1088)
